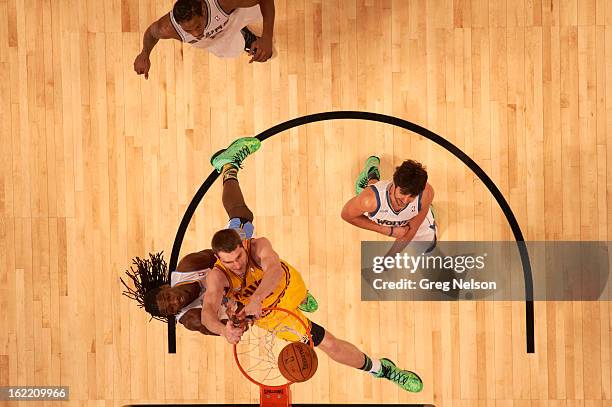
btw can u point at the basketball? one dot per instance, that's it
(297, 362)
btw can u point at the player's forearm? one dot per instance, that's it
(268, 13)
(148, 41)
(415, 223)
(204, 330)
(268, 283)
(364, 223)
(210, 321)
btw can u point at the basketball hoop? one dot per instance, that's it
(257, 352)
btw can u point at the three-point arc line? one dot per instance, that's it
(356, 115)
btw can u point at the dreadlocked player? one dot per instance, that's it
(183, 297)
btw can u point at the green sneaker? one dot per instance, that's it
(405, 379)
(235, 153)
(309, 304)
(371, 164)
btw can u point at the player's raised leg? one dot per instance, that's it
(228, 162)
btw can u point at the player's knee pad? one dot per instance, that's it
(317, 332)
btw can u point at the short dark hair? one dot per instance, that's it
(185, 10)
(148, 278)
(226, 240)
(410, 177)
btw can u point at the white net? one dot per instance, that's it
(258, 350)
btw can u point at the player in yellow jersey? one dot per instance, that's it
(251, 272)
(288, 293)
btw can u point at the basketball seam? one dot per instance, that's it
(297, 359)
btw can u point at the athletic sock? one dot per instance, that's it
(229, 172)
(375, 366)
(370, 365)
(367, 363)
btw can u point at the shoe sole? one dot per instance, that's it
(418, 377)
(420, 380)
(365, 170)
(215, 155)
(305, 309)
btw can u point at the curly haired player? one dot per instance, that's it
(400, 208)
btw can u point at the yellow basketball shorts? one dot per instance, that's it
(280, 323)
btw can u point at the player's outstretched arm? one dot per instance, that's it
(204, 259)
(262, 48)
(269, 261)
(159, 30)
(268, 13)
(354, 210)
(215, 284)
(192, 320)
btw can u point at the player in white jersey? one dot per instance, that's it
(219, 26)
(400, 208)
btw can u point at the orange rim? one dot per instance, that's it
(280, 386)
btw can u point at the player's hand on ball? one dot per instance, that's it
(142, 64)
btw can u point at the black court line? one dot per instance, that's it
(355, 115)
